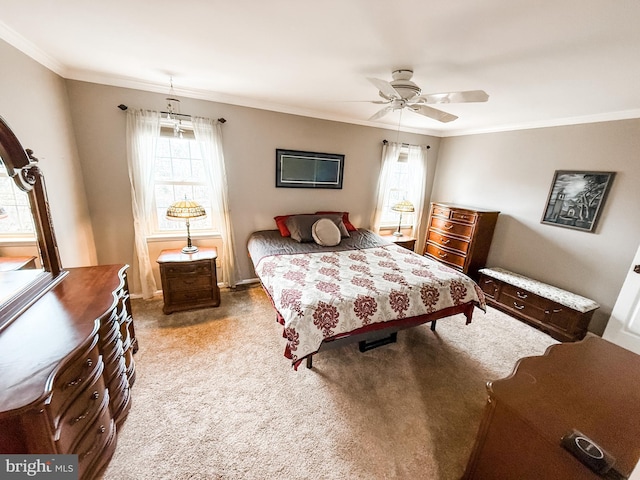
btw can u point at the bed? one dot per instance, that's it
(363, 289)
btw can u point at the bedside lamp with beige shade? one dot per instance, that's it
(186, 210)
(405, 206)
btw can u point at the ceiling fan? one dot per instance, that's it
(401, 93)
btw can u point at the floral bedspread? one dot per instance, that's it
(320, 295)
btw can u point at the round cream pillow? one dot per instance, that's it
(326, 233)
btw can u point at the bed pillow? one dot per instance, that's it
(326, 233)
(282, 226)
(345, 220)
(299, 226)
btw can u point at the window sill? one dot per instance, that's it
(165, 237)
(17, 241)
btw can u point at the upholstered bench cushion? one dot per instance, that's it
(555, 294)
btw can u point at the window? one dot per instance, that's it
(14, 203)
(178, 173)
(398, 190)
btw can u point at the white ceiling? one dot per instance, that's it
(543, 63)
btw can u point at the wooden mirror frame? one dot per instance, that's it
(22, 167)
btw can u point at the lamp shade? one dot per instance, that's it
(186, 210)
(403, 206)
(183, 209)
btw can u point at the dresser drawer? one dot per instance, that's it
(462, 216)
(95, 441)
(489, 286)
(522, 307)
(84, 410)
(452, 228)
(194, 268)
(192, 282)
(444, 256)
(82, 370)
(448, 242)
(523, 295)
(439, 211)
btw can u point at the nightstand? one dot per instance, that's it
(404, 241)
(189, 280)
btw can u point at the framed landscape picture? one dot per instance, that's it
(576, 199)
(298, 169)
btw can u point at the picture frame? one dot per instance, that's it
(576, 199)
(300, 169)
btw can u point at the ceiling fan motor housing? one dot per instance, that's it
(403, 84)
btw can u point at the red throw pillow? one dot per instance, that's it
(345, 220)
(281, 222)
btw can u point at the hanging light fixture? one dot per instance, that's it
(173, 111)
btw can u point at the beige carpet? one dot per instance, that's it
(216, 399)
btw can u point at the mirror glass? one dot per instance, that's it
(20, 262)
(29, 260)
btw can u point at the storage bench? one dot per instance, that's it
(562, 314)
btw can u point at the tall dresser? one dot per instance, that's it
(66, 366)
(460, 236)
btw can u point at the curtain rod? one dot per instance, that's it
(384, 142)
(124, 107)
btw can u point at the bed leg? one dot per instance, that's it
(433, 326)
(310, 361)
(469, 313)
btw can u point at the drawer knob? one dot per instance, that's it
(442, 255)
(88, 363)
(95, 395)
(518, 307)
(445, 242)
(449, 226)
(75, 382)
(521, 295)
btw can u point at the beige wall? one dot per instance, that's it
(509, 171)
(250, 138)
(34, 102)
(512, 172)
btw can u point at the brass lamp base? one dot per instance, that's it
(189, 249)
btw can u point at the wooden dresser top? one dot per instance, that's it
(65, 318)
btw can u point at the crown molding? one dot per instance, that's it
(557, 122)
(28, 48)
(25, 46)
(127, 82)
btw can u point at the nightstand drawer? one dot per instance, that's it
(190, 282)
(200, 268)
(190, 296)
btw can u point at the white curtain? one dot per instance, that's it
(143, 130)
(416, 187)
(209, 136)
(390, 155)
(417, 166)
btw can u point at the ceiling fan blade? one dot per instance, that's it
(439, 115)
(456, 97)
(385, 87)
(381, 113)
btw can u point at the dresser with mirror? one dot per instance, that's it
(67, 338)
